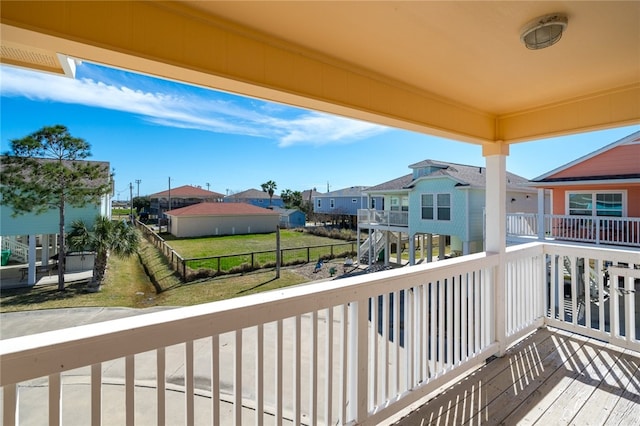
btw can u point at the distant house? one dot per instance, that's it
(255, 197)
(596, 198)
(37, 233)
(181, 196)
(291, 218)
(440, 198)
(204, 219)
(343, 204)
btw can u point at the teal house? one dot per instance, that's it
(436, 198)
(31, 239)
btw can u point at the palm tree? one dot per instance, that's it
(117, 237)
(269, 187)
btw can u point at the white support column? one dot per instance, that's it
(429, 247)
(412, 249)
(387, 247)
(45, 249)
(465, 248)
(442, 246)
(399, 249)
(32, 260)
(541, 234)
(421, 246)
(358, 254)
(496, 235)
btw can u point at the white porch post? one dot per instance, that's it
(387, 247)
(429, 247)
(412, 249)
(399, 249)
(496, 235)
(32, 260)
(45, 249)
(358, 254)
(541, 233)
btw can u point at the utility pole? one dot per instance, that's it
(138, 183)
(208, 185)
(131, 202)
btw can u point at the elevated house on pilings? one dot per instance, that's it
(437, 198)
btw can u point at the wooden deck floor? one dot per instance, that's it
(551, 378)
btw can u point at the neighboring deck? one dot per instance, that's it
(551, 377)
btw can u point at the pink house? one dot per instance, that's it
(596, 198)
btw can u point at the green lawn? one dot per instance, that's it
(236, 245)
(127, 285)
(233, 244)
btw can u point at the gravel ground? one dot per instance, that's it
(307, 270)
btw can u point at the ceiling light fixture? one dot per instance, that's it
(544, 31)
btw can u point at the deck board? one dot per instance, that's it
(551, 377)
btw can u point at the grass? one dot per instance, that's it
(127, 285)
(190, 248)
(220, 246)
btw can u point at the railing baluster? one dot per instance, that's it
(449, 310)
(130, 383)
(215, 380)
(385, 348)
(329, 368)
(10, 405)
(161, 386)
(55, 399)
(279, 373)
(313, 369)
(259, 360)
(189, 386)
(96, 394)
(396, 343)
(296, 370)
(464, 306)
(344, 369)
(457, 287)
(237, 381)
(374, 347)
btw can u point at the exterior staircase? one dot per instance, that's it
(379, 239)
(19, 251)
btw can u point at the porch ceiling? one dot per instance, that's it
(455, 69)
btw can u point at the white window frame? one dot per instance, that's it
(594, 194)
(435, 208)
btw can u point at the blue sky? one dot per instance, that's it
(151, 129)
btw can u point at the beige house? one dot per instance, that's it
(204, 219)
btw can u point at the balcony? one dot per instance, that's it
(383, 218)
(354, 350)
(623, 231)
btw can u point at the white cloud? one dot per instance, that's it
(188, 109)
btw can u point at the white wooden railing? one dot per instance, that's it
(354, 350)
(383, 217)
(19, 250)
(599, 230)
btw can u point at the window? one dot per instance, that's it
(319, 203)
(436, 206)
(596, 204)
(427, 206)
(395, 203)
(373, 203)
(354, 200)
(332, 203)
(444, 206)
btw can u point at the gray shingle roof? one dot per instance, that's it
(465, 175)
